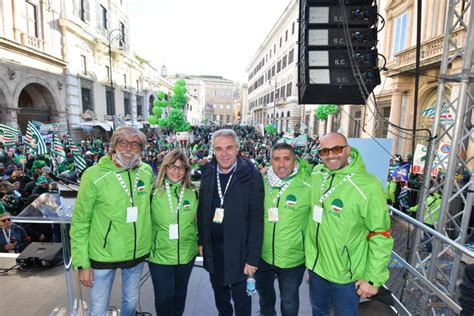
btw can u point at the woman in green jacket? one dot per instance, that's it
(174, 232)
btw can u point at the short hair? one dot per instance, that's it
(124, 132)
(225, 132)
(283, 146)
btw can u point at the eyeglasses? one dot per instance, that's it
(6, 220)
(124, 143)
(179, 168)
(335, 150)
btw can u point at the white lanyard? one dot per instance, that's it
(7, 237)
(170, 201)
(328, 193)
(219, 189)
(124, 186)
(282, 189)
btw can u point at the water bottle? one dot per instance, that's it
(250, 285)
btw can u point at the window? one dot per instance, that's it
(274, 48)
(399, 42)
(107, 72)
(103, 15)
(83, 65)
(270, 53)
(31, 19)
(138, 85)
(139, 105)
(278, 66)
(283, 63)
(82, 10)
(273, 70)
(86, 96)
(357, 124)
(122, 32)
(109, 101)
(292, 28)
(288, 89)
(271, 96)
(291, 55)
(126, 103)
(281, 41)
(381, 125)
(124, 80)
(282, 91)
(286, 36)
(228, 119)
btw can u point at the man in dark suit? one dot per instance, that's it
(230, 222)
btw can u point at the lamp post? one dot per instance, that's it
(110, 37)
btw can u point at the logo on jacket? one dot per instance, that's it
(141, 187)
(291, 200)
(336, 207)
(186, 204)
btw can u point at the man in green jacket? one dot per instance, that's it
(111, 223)
(287, 207)
(348, 243)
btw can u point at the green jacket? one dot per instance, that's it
(431, 215)
(100, 234)
(283, 242)
(340, 249)
(178, 251)
(391, 189)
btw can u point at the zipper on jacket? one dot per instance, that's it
(177, 216)
(107, 233)
(273, 237)
(154, 242)
(317, 229)
(350, 261)
(134, 223)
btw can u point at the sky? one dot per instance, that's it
(202, 37)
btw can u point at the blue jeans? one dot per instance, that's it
(324, 294)
(289, 281)
(170, 284)
(103, 281)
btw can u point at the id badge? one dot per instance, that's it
(318, 214)
(132, 214)
(273, 214)
(173, 232)
(218, 215)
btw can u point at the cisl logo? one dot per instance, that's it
(186, 204)
(141, 187)
(336, 207)
(291, 200)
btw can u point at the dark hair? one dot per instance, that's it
(283, 146)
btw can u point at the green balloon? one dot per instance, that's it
(156, 102)
(157, 111)
(181, 82)
(163, 104)
(153, 120)
(161, 95)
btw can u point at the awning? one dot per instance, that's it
(104, 126)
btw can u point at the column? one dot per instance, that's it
(329, 124)
(395, 111)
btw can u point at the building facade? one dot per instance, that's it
(72, 62)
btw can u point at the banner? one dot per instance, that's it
(8, 135)
(34, 140)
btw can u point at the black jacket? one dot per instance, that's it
(243, 219)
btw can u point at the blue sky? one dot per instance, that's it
(213, 37)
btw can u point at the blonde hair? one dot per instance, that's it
(169, 159)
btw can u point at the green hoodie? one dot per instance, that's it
(433, 203)
(100, 234)
(340, 249)
(178, 251)
(283, 242)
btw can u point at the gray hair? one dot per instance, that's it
(124, 132)
(225, 133)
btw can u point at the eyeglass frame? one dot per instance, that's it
(6, 220)
(332, 149)
(176, 168)
(134, 144)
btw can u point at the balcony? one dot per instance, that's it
(430, 54)
(32, 41)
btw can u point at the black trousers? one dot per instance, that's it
(224, 293)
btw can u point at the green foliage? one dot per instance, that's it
(324, 110)
(270, 129)
(176, 121)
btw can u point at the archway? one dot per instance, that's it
(151, 99)
(3, 107)
(35, 102)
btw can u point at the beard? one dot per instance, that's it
(127, 160)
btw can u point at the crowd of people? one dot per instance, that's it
(263, 210)
(249, 225)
